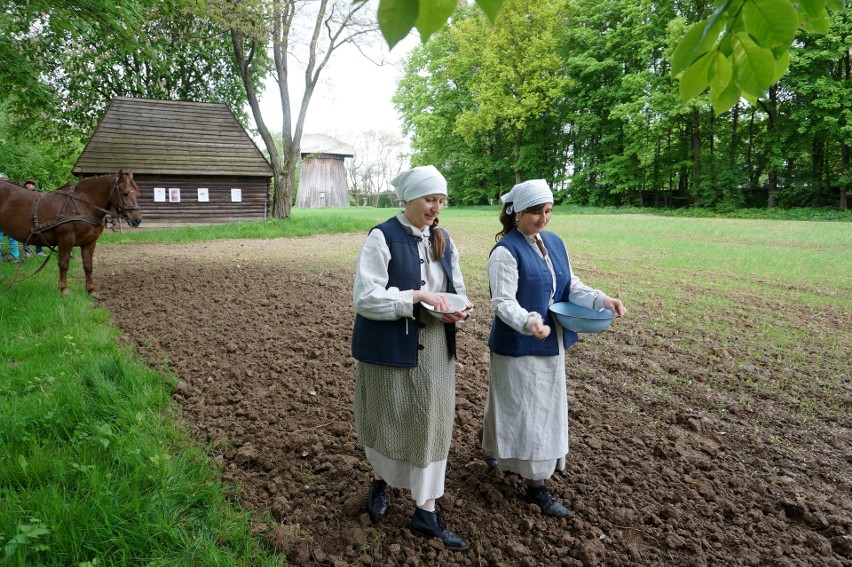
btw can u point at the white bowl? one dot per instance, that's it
(457, 303)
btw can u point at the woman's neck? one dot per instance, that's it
(414, 224)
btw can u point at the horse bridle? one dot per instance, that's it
(121, 206)
(113, 209)
(38, 228)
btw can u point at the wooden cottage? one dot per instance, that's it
(322, 182)
(193, 161)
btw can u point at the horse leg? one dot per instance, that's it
(88, 252)
(64, 257)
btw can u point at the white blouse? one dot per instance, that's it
(503, 278)
(372, 300)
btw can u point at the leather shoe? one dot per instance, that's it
(549, 505)
(431, 524)
(490, 461)
(377, 500)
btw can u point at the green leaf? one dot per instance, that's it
(770, 22)
(694, 79)
(754, 66)
(697, 41)
(491, 8)
(751, 98)
(819, 24)
(432, 15)
(22, 461)
(812, 7)
(396, 18)
(725, 100)
(782, 63)
(720, 73)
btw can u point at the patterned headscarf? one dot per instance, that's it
(527, 194)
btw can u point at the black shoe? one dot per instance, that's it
(490, 461)
(431, 524)
(549, 505)
(377, 500)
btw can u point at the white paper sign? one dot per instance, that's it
(159, 194)
(236, 195)
(203, 195)
(174, 195)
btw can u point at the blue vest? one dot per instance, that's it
(534, 287)
(395, 343)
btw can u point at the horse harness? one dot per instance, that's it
(76, 215)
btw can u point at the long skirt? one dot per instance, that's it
(526, 414)
(404, 416)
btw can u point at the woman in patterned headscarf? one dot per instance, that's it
(525, 427)
(405, 379)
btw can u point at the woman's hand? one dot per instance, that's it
(436, 300)
(538, 329)
(458, 315)
(616, 306)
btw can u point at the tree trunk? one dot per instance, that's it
(844, 160)
(282, 203)
(696, 153)
(771, 107)
(844, 146)
(244, 62)
(517, 155)
(753, 175)
(336, 32)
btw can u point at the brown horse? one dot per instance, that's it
(73, 215)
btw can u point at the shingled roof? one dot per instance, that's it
(171, 137)
(322, 144)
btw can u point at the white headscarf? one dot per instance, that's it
(527, 194)
(419, 182)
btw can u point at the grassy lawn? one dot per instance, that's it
(95, 469)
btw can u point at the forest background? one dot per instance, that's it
(575, 92)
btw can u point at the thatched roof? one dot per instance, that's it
(322, 144)
(173, 138)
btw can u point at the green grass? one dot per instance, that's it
(94, 466)
(303, 222)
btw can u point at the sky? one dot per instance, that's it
(353, 94)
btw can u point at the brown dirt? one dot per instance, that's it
(675, 459)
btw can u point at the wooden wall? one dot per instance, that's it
(220, 208)
(322, 183)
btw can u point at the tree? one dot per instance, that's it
(179, 54)
(22, 59)
(398, 17)
(619, 129)
(743, 47)
(70, 58)
(430, 97)
(740, 50)
(256, 24)
(516, 78)
(379, 157)
(816, 131)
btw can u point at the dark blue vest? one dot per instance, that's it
(534, 287)
(395, 343)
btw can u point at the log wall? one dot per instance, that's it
(219, 209)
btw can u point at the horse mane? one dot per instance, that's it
(71, 185)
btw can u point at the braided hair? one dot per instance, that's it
(439, 243)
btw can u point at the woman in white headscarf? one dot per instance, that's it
(525, 428)
(405, 378)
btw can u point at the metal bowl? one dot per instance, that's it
(457, 303)
(582, 319)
